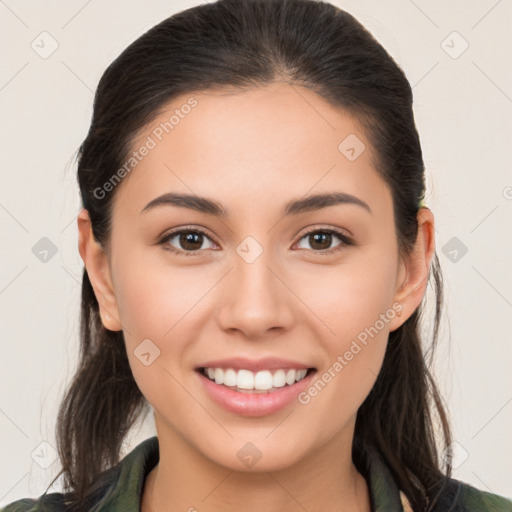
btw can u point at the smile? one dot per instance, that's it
(246, 381)
(254, 393)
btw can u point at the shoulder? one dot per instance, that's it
(53, 502)
(461, 497)
(473, 499)
(117, 488)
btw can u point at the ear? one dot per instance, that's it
(96, 263)
(414, 269)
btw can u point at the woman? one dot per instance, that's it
(256, 252)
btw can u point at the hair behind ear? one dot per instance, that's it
(101, 404)
(396, 415)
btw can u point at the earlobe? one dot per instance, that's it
(96, 263)
(414, 269)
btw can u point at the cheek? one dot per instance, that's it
(153, 298)
(354, 359)
(350, 298)
(158, 306)
(354, 304)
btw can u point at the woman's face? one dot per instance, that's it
(258, 282)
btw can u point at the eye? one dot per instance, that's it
(190, 240)
(321, 239)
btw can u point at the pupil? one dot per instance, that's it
(190, 238)
(324, 236)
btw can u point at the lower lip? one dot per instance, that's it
(254, 404)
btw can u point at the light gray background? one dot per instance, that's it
(463, 108)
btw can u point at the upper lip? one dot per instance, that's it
(267, 363)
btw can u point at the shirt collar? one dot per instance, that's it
(126, 492)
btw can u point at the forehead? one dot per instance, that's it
(265, 143)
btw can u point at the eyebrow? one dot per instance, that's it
(295, 207)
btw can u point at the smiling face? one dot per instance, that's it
(252, 277)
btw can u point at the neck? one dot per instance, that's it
(184, 479)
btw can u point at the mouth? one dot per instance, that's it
(260, 382)
(259, 392)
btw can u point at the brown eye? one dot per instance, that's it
(190, 240)
(320, 240)
(185, 241)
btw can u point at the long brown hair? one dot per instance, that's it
(245, 44)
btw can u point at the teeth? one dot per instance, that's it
(219, 376)
(230, 378)
(261, 381)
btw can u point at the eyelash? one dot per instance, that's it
(346, 241)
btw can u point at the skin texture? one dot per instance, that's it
(254, 151)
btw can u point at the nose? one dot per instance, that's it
(256, 299)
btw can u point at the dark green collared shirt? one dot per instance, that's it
(122, 489)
